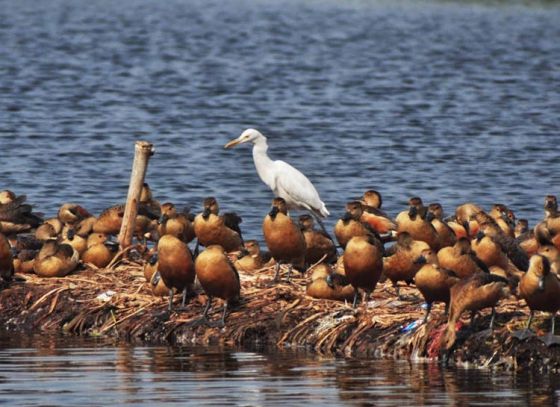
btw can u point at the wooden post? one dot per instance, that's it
(142, 152)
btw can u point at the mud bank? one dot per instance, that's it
(117, 302)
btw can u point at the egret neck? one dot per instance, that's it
(263, 163)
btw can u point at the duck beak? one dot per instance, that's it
(232, 143)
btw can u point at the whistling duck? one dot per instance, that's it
(218, 277)
(100, 251)
(55, 260)
(501, 214)
(465, 216)
(284, 239)
(110, 220)
(176, 224)
(6, 196)
(521, 227)
(373, 215)
(445, 233)
(461, 259)
(146, 198)
(416, 222)
(509, 245)
(71, 214)
(492, 254)
(6, 259)
(553, 255)
(400, 265)
(363, 264)
(24, 261)
(78, 242)
(150, 266)
(318, 244)
(159, 289)
(253, 259)
(175, 265)
(433, 281)
(350, 224)
(481, 290)
(326, 284)
(213, 229)
(49, 229)
(540, 288)
(16, 216)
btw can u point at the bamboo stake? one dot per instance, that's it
(142, 152)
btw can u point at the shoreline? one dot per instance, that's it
(117, 303)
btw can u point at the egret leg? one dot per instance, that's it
(170, 307)
(277, 272)
(320, 222)
(356, 295)
(553, 323)
(428, 309)
(289, 272)
(492, 318)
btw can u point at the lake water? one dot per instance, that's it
(451, 102)
(76, 371)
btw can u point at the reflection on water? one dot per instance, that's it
(80, 371)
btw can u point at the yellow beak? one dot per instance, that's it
(232, 143)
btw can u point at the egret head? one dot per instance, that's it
(249, 135)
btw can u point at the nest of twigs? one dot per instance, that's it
(118, 302)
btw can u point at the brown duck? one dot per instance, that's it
(284, 239)
(6, 259)
(433, 281)
(16, 216)
(55, 259)
(218, 277)
(540, 288)
(100, 250)
(318, 244)
(400, 265)
(176, 266)
(461, 259)
(212, 229)
(326, 284)
(252, 259)
(350, 224)
(363, 264)
(177, 224)
(445, 233)
(479, 291)
(416, 223)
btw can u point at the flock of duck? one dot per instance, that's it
(469, 261)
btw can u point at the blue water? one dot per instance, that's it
(453, 102)
(59, 371)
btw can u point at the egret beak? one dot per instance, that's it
(232, 143)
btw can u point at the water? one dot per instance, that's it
(451, 102)
(76, 371)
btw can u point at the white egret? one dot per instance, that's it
(284, 180)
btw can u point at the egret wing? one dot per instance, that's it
(295, 187)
